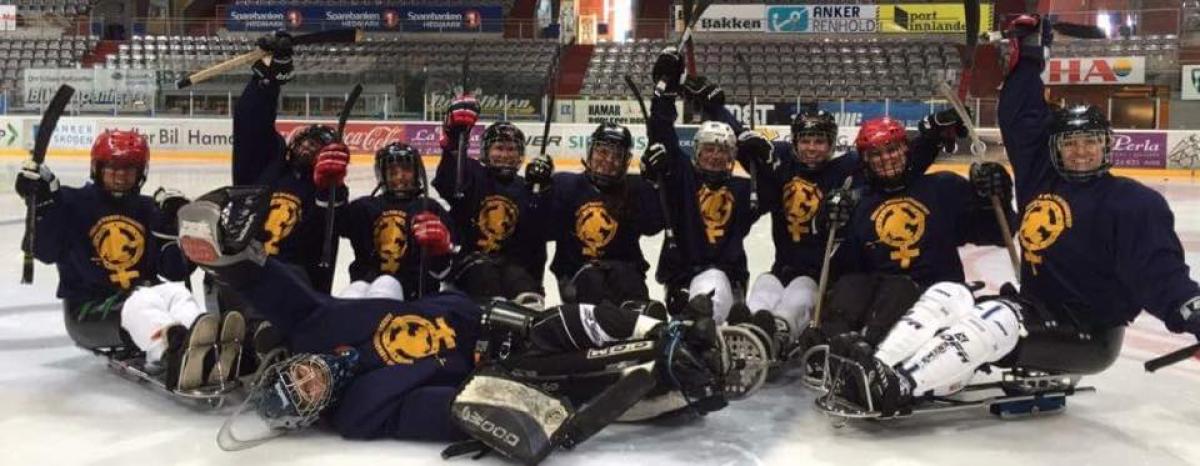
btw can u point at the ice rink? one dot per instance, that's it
(61, 405)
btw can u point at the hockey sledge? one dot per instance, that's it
(1018, 393)
(131, 364)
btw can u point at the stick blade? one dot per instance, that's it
(1079, 31)
(54, 110)
(332, 36)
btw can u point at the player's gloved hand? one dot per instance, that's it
(461, 116)
(1190, 311)
(1024, 34)
(667, 71)
(280, 70)
(654, 162)
(539, 172)
(705, 94)
(168, 201)
(838, 207)
(431, 233)
(991, 179)
(37, 179)
(757, 147)
(330, 167)
(944, 126)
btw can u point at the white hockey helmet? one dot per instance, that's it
(718, 135)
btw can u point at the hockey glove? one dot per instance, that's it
(704, 94)
(280, 70)
(991, 179)
(539, 172)
(944, 126)
(1024, 34)
(222, 232)
(1190, 311)
(838, 208)
(330, 168)
(37, 179)
(169, 201)
(654, 162)
(667, 71)
(757, 147)
(461, 116)
(431, 233)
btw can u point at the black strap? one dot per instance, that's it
(466, 447)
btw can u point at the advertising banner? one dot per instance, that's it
(930, 18)
(493, 104)
(1189, 87)
(727, 18)
(8, 17)
(368, 17)
(1139, 150)
(95, 89)
(1095, 70)
(822, 19)
(625, 112)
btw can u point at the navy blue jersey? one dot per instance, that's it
(296, 224)
(493, 217)
(380, 231)
(710, 222)
(590, 225)
(103, 245)
(405, 350)
(1106, 248)
(917, 231)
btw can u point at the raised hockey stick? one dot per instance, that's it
(465, 138)
(1172, 357)
(330, 208)
(823, 280)
(690, 17)
(58, 104)
(332, 36)
(751, 169)
(550, 86)
(668, 230)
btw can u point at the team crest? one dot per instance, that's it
(900, 223)
(716, 207)
(403, 339)
(120, 243)
(497, 221)
(390, 240)
(801, 200)
(284, 215)
(1045, 220)
(595, 228)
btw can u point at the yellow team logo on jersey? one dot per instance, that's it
(403, 339)
(900, 223)
(497, 221)
(595, 228)
(801, 201)
(390, 239)
(120, 243)
(716, 207)
(1045, 220)
(284, 215)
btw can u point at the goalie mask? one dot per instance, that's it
(399, 171)
(1080, 143)
(608, 155)
(503, 150)
(716, 148)
(303, 148)
(883, 145)
(289, 395)
(814, 135)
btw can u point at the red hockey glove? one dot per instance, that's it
(431, 233)
(330, 168)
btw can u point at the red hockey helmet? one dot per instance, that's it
(876, 138)
(120, 149)
(878, 133)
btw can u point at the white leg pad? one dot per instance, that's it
(386, 287)
(946, 363)
(716, 282)
(940, 306)
(765, 294)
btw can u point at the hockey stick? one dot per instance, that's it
(750, 167)
(1172, 358)
(690, 17)
(330, 209)
(550, 85)
(41, 143)
(668, 230)
(465, 138)
(823, 280)
(332, 36)
(1072, 30)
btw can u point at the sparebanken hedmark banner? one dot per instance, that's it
(929, 18)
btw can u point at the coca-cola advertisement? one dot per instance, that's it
(359, 137)
(1139, 150)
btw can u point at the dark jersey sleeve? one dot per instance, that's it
(1023, 117)
(53, 224)
(257, 147)
(1149, 256)
(446, 175)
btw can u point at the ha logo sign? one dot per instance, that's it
(1095, 70)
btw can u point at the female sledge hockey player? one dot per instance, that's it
(301, 171)
(111, 244)
(1097, 248)
(402, 245)
(378, 368)
(596, 218)
(502, 251)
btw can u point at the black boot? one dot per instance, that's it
(886, 390)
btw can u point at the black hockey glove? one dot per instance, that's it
(654, 162)
(704, 94)
(991, 179)
(169, 201)
(37, 179)
(539, 172)
(667, 71)
(756, 147)
(946, 127)
(838, 209)
(1190, 311)
(280, 70)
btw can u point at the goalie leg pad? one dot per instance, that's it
(519, 421)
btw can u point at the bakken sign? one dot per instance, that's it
(1095, 70)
